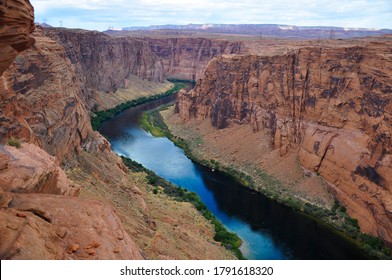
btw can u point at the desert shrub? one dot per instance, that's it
(14, 142)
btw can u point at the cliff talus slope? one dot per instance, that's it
(332, 106)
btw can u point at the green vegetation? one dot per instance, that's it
(192, 82)
(97, 118)
(228, 239)
(149, 122)
(14, 142)
(336, 218)
(154, 123)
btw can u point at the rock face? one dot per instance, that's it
(187, 58)
(332, 105)
(42, 226)
(41, 100)
(29, 169)
(103, 63)
(16, 24)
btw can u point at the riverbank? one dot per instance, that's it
(97, 118)
(195, 145)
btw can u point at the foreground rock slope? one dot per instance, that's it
(40, 216)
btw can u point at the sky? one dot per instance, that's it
(102, 14)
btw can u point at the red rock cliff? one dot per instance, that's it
(187, 58)
(41, 100)
(16, 24)
(103, 63)
(332, 105)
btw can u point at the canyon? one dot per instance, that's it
(330, 106)
(65, 194)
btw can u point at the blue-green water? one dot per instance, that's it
(268, 229)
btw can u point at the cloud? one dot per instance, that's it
(100, 14)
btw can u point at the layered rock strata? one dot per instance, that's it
(187, 58)
(41, 100)
(103, 64)
(331, 105)
(16, 24)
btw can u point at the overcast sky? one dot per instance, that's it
(102, 14)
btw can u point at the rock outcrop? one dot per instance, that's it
(29, 169)
(103, 63)
(40, 100)
(43, 226)
(332, 105)
(16, 25)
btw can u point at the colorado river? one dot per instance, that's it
(268, 229)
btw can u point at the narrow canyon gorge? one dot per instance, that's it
(64, 193)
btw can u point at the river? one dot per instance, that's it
(269, 230)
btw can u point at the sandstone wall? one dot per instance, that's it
(41, 100)
(187, 58)
(16, 24)
(332, 105)
(103, 63)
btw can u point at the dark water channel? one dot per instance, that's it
(268, 229)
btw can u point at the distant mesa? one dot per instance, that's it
(43, 24)
(271, 30)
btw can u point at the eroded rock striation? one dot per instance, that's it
(103, 63)
(187, 58)
(16, 25)
(41, 100)
(331, 105)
